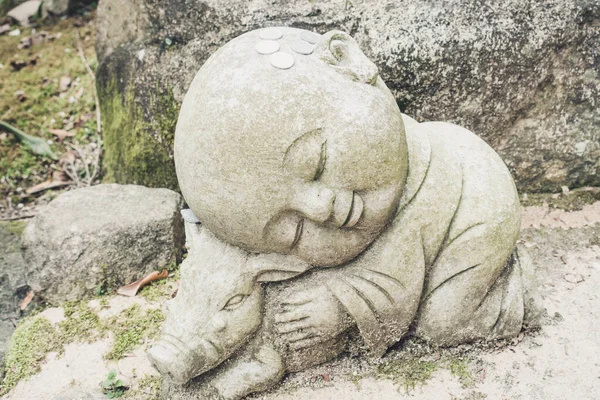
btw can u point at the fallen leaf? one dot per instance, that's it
(68, 157)
(36, 144)
(81, 120)
(37, 40)
(79, 93)
(26, 300)
(20, 95)
(60, 176)
(18, 65)
(24, 43)
(64, 83)
(49, 184)
(61, 134)
(132, 289)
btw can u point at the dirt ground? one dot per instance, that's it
(560, 361)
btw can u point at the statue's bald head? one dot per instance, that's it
(247, 105)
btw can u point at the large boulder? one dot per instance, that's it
(524, 75)
(99, 238)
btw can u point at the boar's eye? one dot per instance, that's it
(234, 302)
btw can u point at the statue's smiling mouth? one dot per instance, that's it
(354, 212)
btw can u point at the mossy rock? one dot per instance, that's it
(137, 135)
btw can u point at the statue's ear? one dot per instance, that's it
(276, 267)
(341, 51)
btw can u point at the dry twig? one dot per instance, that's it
(98, 116)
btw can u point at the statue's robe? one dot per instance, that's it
(443, 262)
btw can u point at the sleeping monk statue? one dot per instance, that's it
(319, 214)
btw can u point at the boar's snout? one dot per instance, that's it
(172, 359)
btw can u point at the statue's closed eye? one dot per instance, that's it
(306, 156)
(234, 302)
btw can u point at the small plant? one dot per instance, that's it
(409, 373)
(113, 387)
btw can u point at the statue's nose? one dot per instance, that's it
(315, 202)
(172, 361)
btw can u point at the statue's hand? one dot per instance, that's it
(309, 317)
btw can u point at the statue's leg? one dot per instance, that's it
(475, 290)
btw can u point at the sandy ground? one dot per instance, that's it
(560, 361)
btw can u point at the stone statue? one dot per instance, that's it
(321, 214)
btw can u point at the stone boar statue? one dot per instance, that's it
(318, 210)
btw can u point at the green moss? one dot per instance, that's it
(81, 323)
(31, 341)
(460, 369)
(131, 328)
(148, 388)
(132, 153)
(408, 373)
(16, 227)
(35, 336)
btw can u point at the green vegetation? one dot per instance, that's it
(113, 387)
(148, 388)
(81, 323)
(460, 369)
(35, 337)
(408, 373)
(31, 100)
(15, 227)
(31, 341)
(131, 328)
(132, 154)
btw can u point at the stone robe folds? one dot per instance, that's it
(442, 262)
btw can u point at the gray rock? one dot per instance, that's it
(6, 330)
(23, 12)
(99, 238)
(55, 7)
(523, 76)
(12, 268)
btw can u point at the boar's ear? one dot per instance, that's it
(193, 228)
(276, 267)
(341, 51)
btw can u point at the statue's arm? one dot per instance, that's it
(382, 288)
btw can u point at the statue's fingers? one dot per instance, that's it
(289, 316)
(293, 326)
(297, 299)
(304, 343)
(297, 336)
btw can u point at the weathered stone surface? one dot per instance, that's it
(99, 238)
(322, 216)
(23, 12)
(55, 7)
(12, 281)
(524, 76)
(12, 268)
